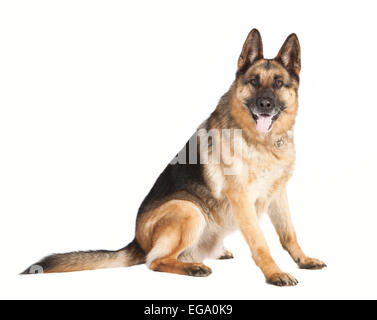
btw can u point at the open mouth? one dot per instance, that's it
(264, 121)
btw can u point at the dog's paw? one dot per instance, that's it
(311, 263)
(198, 270)
(281, 279)
(226, 255)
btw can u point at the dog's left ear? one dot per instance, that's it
(290, 54)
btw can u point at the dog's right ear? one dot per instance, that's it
(252, 50)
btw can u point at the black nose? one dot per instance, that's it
(265, 104)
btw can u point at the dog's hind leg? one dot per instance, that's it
(179, 227)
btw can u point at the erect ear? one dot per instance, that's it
(252, 50)
(290, 54)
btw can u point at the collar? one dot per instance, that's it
(282, 140)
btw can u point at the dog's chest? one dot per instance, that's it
(263, 172)
(266, 169)
(256, 170)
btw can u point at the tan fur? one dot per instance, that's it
(180, 233)
(132, 254)
(79, 261)
(278, 212)
(167, 231)
(178, 228)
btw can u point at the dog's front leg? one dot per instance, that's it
(279, 214)
(246, 217)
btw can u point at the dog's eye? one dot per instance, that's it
(278, 84)
(254, 82)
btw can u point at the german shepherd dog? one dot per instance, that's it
(200, 198)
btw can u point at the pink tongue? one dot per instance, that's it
(263, 123)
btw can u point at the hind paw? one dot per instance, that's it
(226, 255)
(198, 270)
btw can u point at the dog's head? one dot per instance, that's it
(267, 88)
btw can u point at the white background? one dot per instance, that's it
(97, 96)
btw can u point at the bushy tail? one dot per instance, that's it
(131, 255)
